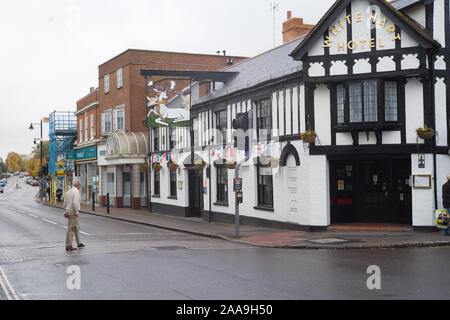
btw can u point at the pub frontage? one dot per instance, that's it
(349, 124)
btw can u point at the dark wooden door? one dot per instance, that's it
(195, 193)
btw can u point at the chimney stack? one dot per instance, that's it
(294, 28)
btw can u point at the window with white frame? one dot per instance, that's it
(86, 128)
(106, 122)
(119, 119)
(119, 78)
(80, 131)
(106, 80)
(92, 127)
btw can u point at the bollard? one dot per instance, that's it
(107, 203)
(93, 201)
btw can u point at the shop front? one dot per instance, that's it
(88, 171)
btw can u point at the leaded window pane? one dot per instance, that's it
(370, 101)
(173, 183)
(222, 184)
(340, 103)
(265, 187)
(391, 101)
(355, 102)
(264, 119)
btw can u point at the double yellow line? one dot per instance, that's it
(7, 289)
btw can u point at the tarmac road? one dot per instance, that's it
(128, 261)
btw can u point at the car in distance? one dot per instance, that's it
(1, 189)
(35, 183)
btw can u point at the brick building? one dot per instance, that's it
(88, 135)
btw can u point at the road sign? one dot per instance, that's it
(239, 197)
(237, 185)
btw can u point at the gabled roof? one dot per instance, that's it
(414, 29)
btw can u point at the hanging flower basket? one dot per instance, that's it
(274, 163)
(269, 162)
(173, 166)
(230, 165)
(425, 133)
(156, 166)
(309, 136)
(200, 164)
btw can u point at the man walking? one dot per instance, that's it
(72, 204)
(446, 199)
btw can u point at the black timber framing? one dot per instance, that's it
(424, 39)
(350, 62)
(371, 149)
(429, 13)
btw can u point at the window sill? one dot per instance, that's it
(263, 208)
(172, 198)
(222, 204)
(156, 196)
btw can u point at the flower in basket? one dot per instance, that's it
(309, 136)
(173, 166)
(156, 166)
(425, 133)
(230, 164)
(200, 164)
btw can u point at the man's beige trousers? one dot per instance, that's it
(73, 227)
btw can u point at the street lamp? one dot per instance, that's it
(31, 128)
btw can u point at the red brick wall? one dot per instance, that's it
(132, 94)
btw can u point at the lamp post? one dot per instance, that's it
(31, 128)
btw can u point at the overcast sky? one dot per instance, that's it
(51, 49)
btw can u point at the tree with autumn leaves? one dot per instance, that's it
(13, 162)
(32, 163)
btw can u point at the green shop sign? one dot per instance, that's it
(86, 154)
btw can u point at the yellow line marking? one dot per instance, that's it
(4, 289)
(9, 284)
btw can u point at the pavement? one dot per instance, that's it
(356, 236)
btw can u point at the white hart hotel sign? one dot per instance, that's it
(371, 19)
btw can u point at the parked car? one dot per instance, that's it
(35, 183)
(1, 189)
(2, 184)
(29, 180)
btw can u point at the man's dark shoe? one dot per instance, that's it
(70, 248)
(81, 245)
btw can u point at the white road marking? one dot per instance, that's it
(48, 221)
(32, 215)
(21, 211)
(85, 233)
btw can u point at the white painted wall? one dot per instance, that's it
(414, 109)
(370, 140)
(417, 12)
(341, 36)
(441, 111)
(422, 199)
(344, 139)
(392, 137)
(322, 114)
(439, 21)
